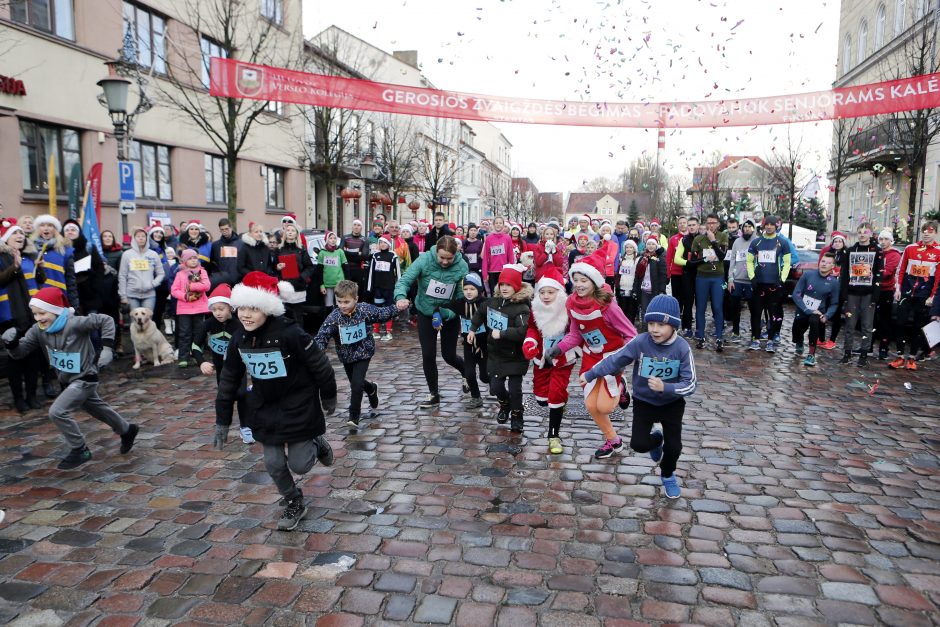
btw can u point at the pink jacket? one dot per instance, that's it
(178, 291)
(495, 262)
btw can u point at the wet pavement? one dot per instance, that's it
(806, 500)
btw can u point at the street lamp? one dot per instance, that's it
(367, 170)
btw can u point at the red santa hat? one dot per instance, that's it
(591, 266)
(840, 235)
(50, 299)
(47, 219)
(221, 294)
(157, 227)
(551, 278)
(262, 292)
(195, 223)
(586, 217)
(654, 223)
(7, 228)
(290, 218)
(511, 274)
(387, 240)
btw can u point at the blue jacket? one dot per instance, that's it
(353, 334)
(812, 287)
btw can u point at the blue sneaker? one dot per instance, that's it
(657, 453)
(810, 361)
(671, 487)
(770, 348)
(755, 345)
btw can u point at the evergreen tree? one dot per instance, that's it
(810, 214)
(634, 213)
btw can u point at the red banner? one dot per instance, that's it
(237, 79)
(94, 184)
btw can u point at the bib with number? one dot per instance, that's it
(728, 254)
(65, 362)
(708, 254)
(594, 337)
(228, 252)
(383, 266)
(812, 303)
(436, 289)
(471, 257)
(552, 342)
(140, 264)
(766, 256)
(263, 364)
(498, 250)
(919, 270)
(660, 368)
(496, 320)
(218, 344)
(331, 261)
(352, 333)
(740, 255)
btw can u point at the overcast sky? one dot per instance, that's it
(627, 51)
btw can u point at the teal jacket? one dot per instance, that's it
(447, 283)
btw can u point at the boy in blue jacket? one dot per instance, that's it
(663, 375)
(816, 297)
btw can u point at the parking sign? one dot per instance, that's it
(126, 179)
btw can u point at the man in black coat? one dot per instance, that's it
(224, 255)
(436, 231)
(356, 247)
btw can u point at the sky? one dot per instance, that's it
(623, 51)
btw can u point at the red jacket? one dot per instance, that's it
(889, 277)
(542, 259)
(673, 269)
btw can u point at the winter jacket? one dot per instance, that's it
(304, 266)
(190, 294)
(655, 265)
(353, 333)
(202, 246)
(332, 264)
(672, 267)
(543, 259)
(70, 351)
(511, 317)
(290, 377)
(18, 285)
(212, 340)
(473, 253)
(141, 272)
(435, 234)
(384, 271)
(465, 309)
(889, 277)
(816, 292)
(436, 285)
(109, 282)
(768, 259)
(862, 267)
(89, 282)
(224, 257)
(497, 252)
(917, 271)
(255, 256)
(711, 255)
(737, 262)
(57, 259)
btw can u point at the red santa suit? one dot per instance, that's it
(548, 325)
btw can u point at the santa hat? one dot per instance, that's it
(639, 225)
(221, 294)
(586, 217)
(51, 299)
(194, 223)
(655, 241)
(654, 223)
(386, 240)
(840, 235)
(262, 292)
(407, 227)
(591, 266)
(45, 218)
(290, 218)
(7, 228)
(551, 278)
(511, 274)
(155, 228)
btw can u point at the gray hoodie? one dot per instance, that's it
(141, 272)
(70, 348)
(737, 258)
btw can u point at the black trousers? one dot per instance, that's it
(427, 337)
(356, 373)
(473, 361)
(917, 309)
(492, 280)
(24, 371)
(884, 320)
(670, 416)
(628, 304)
(159, 306)
(801, 324)
(770, 298)
(742, 292)
(688, 298)
(513, 394)
(187, 327)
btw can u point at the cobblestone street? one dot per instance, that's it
(806, 500)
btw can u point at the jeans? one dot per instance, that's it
(148, 302)
(709, 288)
(187, 327)
(356, 373)
(298, 458)
(769, 298)
(670, 416)
(862, 310)
(513, 395)
(427, 337)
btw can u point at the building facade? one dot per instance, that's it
(611, 206)
(719, 185)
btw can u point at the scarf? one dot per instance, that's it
(584, 305)
(59, 323)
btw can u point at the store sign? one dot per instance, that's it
(12, 86)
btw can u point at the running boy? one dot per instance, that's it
(663, 375)
(290, 379)
(349, 324)
(384, 272)
(66, 339)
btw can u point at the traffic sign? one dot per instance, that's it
(126, 180)
(127, 207)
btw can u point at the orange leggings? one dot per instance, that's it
(600, 405)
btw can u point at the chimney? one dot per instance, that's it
(409, 57)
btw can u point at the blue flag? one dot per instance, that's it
(90, 223)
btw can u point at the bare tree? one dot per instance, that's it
(438, 166)
(785, 165)
(398, 155)
(842, 133)
(521, 205)
(600, 185)
(231, 28)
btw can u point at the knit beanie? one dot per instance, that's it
(50, 299)
(888, 234)
(473, 279)
(663, 308)
(188, 254)
(221, 294)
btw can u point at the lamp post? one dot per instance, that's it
(115, 87)
(367, 170)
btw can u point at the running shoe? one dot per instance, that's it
(671, 487)
(610, 447)
(555, 447)
(657, 453)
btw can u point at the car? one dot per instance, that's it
(316, 240)
(808, 260)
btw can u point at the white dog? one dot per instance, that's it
(148, 341)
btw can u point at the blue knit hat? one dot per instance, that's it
(474, 279)
(663, 308)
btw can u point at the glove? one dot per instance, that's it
(436, 321)
(106, 357)
(530, 349)
(329, 405)
(9, 335)
(221, 436)
(550, 247)
(551, 352)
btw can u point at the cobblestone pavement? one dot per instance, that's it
(806, 500)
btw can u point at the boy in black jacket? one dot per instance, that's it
(474, 355)
(862, 266)
(290, 378)
(384, 272)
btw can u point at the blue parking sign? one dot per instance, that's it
(126, 180)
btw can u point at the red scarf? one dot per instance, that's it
(584, 305)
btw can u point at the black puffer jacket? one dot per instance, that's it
(254, 255)
(656, 266)
(504, 356)
(286, 407)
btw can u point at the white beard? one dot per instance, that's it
(552, 320)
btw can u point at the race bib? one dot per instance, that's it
(660, 368)
(65, 362)
(919, 270)
(331, 261)
(465, 325)
(766, 256)
(383, 266)
(264, 364)
(740, 255)
(552, 342)
(861, 268)
(228, 252)
(436, 289)
(471, 257)
(352, 333)
(812, 303)
(728, 255)
(496, 320)
(593, 338)
(498, 250)
(708, 254)
(140, 264)
(218, 344)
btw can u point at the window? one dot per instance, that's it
(147, 37)
(216, 183)
(38, 142)
(880, 19)
(52, 16)
(210, 49)
(151, 171)
(274, 187)
(862, 41)
(920, 9)
(275, 107)
(273, 10)
(900, 6)
(846, 54)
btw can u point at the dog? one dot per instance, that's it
(148, 341)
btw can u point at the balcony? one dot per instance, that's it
(882, 143)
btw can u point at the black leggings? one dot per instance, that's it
(472, 362)
(917, 309)
(492, 280)
(688, 297)
(884, 323)
(670, 416)
(427, 337)
(513, 395)
(767, 298)
(356, 373)
(836, 326)
(25, 371)
(811, 322)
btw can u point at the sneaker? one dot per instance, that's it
(624, 402)
(184, 364)
(921, 356)
(755, 345)
(882, 353)
(810, 361)
(353, 421)
(465, 386)
(719, 346)
(430, 401)
(770, 348)
(75, 458)
(657, 453)
(127, 439)
(555, 447)
(897, 363)
(387, 337)
(610, 447)
(474, 403)
(846, 358)
(700, 343)
(295, 512)
(687, 333)
(502, 416)
(374, 396)
(763, 334)
(671, 487)
(324, 450)
(777, 339)
(863, 360)
(798, 348)
(828, 345)
(33, 402)
(735, 338)
(247, 436)
(21, 405)
(911, 364)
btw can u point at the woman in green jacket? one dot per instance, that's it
(438, 273)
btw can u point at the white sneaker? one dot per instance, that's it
(387, 337)
(247, 437)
